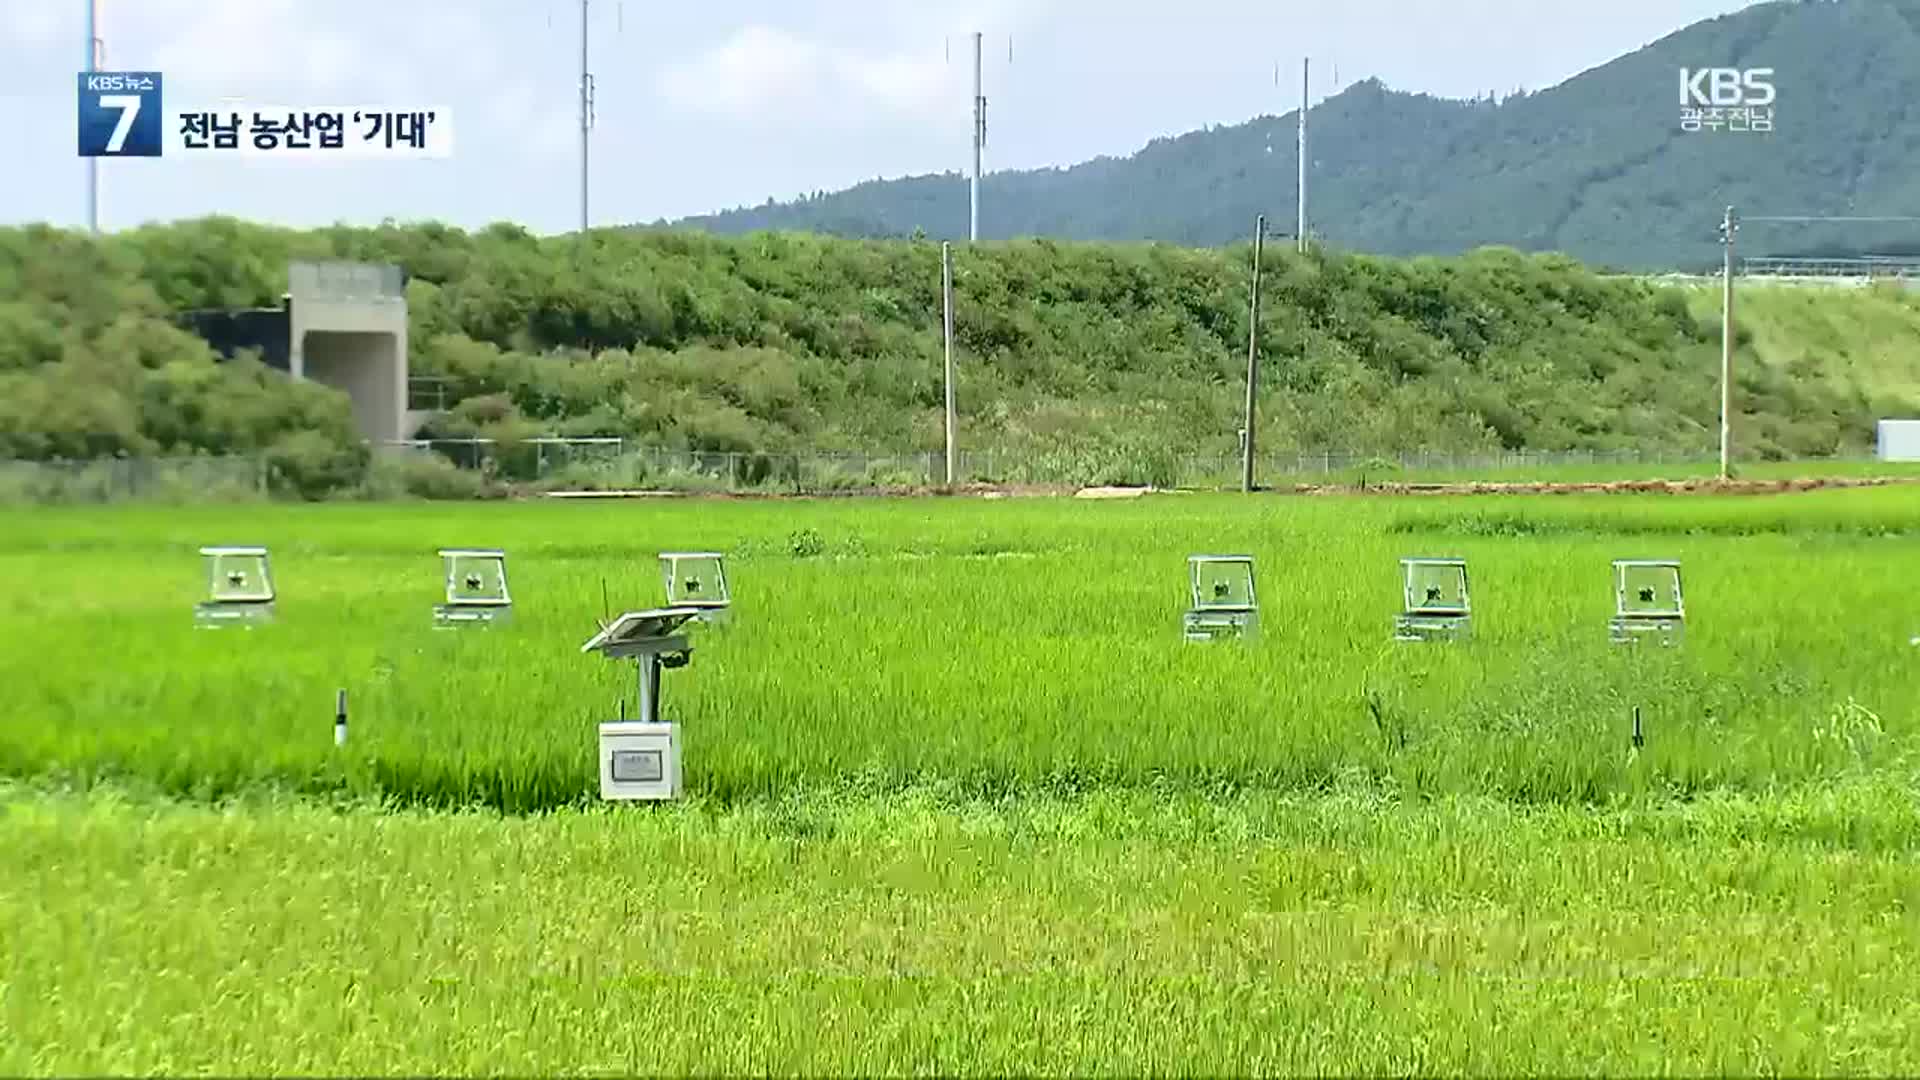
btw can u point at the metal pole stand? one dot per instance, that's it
(640, 758)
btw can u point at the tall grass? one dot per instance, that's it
(1114, 934)
(1011, 646)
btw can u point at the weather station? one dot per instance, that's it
(1224, 607)
(640, 757)
(1436, 602)
(1647, 602)
(239, 588)
(476, 588)
(698, 580)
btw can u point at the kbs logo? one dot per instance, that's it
(1726, 99)
(120, 114)
(1723, 87)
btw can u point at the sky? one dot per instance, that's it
(701, 107)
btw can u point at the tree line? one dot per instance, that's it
(779, 342)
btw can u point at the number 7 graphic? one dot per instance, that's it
(129, 106)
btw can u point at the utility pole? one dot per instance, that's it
(1253, 358)
(1300, 225)
(946, 305)
(94, 56)
(586, 120)
(1728, 227)
(979, 143)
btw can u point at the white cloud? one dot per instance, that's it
(330, 60)
(700, 107)
(761, 70)
(36, 22)
(259, 49)
(235, 43)
(532, 125)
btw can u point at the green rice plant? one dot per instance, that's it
(1120, 933)
(1002, 646)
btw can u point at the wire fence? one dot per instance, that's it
(585, 460)
(422, 467)
(234, 478)
(1870, 267)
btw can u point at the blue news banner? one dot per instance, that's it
(123, 114)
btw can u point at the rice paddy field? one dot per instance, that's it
(960, 799)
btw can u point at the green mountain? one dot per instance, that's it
(1597, 167)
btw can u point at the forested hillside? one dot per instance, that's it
(1596, 167)
(773, 342)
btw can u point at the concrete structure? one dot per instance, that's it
(347, 328)
(340, 324)
(1897, 440)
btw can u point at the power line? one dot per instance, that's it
(979, 130)
(1815, 219)
(586, 119)
(96, 56)
(1253, 359)
(1305, 93)
(1729, 228)
(979, 143)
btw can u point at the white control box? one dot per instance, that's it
(1897, 440)
(639, 761)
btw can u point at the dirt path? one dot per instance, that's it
(1617, 487)
(1000, 491)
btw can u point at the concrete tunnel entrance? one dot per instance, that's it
(367, 367)
(340, 324)
(347, 328)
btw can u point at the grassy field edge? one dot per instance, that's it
(1109, 934)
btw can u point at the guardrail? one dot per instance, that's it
(1867, 266)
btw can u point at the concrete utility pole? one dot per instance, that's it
(946, 305)
(586, 118)
(1253, 358)
(95, 53)
(1728, 227)
(979, 143)
(1300, 226)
